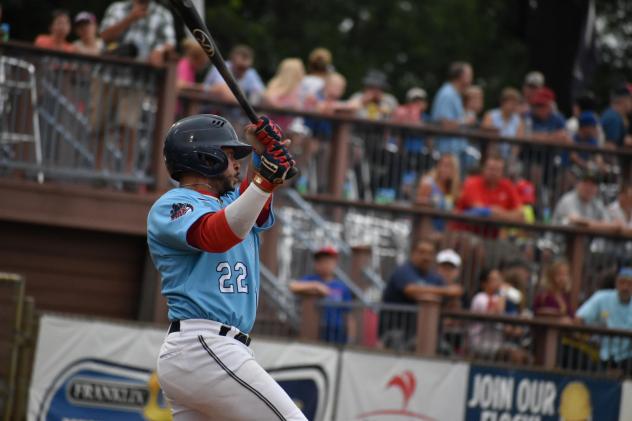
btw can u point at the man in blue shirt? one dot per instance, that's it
(546, 122)
(448, 111)
(586, 135)
(614, 119)
(612, 308)
(337, 323)
(408, 284)
(415, 277)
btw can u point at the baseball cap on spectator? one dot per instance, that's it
(449, 256)
(85, 17)
(326, 251)
(534, 79)
(416, 93)
(375, 79)
(543, 96)
(588, 119)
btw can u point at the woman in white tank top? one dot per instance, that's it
(506, 120)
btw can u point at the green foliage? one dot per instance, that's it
(412, 41)
(614, 28)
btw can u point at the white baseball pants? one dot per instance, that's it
(205, 376)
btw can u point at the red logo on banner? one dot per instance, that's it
(407, 383)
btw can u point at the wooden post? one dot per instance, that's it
(167, 98)
(360, 259)
(576, 252)
(339, 158)
(428, 324)
(546, 340)
(422, 227)
(309, 317)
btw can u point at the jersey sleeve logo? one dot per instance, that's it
(180, 209)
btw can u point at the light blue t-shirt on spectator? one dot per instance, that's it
(604, 308)
(448, 105)
(251, 83)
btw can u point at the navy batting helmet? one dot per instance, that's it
(194, 144)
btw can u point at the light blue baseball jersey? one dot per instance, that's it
(223, 287)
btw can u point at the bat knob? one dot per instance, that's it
(292, 173)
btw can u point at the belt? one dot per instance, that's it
(223, 331)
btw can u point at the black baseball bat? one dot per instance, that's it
(200, 31)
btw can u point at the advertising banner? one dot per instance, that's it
(497, 394)
(376, 387)
(95, 370)
(307, 372)
(90, 370)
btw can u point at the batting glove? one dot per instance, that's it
(268, 132)
(274, 168)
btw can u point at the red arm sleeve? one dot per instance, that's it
(212, 233)
(265, 212)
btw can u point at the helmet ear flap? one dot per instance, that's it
(215, 160)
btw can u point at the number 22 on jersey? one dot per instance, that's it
(226, 285)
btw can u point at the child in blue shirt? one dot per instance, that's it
(337, 324)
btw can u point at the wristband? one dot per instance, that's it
(265, 185)
(256, 160)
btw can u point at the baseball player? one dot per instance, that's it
(203, 239)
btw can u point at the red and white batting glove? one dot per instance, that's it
(268, 132)
(274, 167)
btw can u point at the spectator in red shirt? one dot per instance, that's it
(490, 194)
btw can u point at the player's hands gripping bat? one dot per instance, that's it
(198, 28)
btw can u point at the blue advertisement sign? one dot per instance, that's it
(499, 394)
(94, 389)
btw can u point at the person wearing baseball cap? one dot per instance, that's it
(374, 102)
(533, 81)
(612, 308)
(449, 266)
(586, 135)
(336, 325)
(86, 30)
(546, 122)
(414, 110)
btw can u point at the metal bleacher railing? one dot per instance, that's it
(427, 330)
(93, 119)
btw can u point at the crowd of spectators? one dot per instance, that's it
(511, 288)
(144, 30)
(139, 29)
(494, 185)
